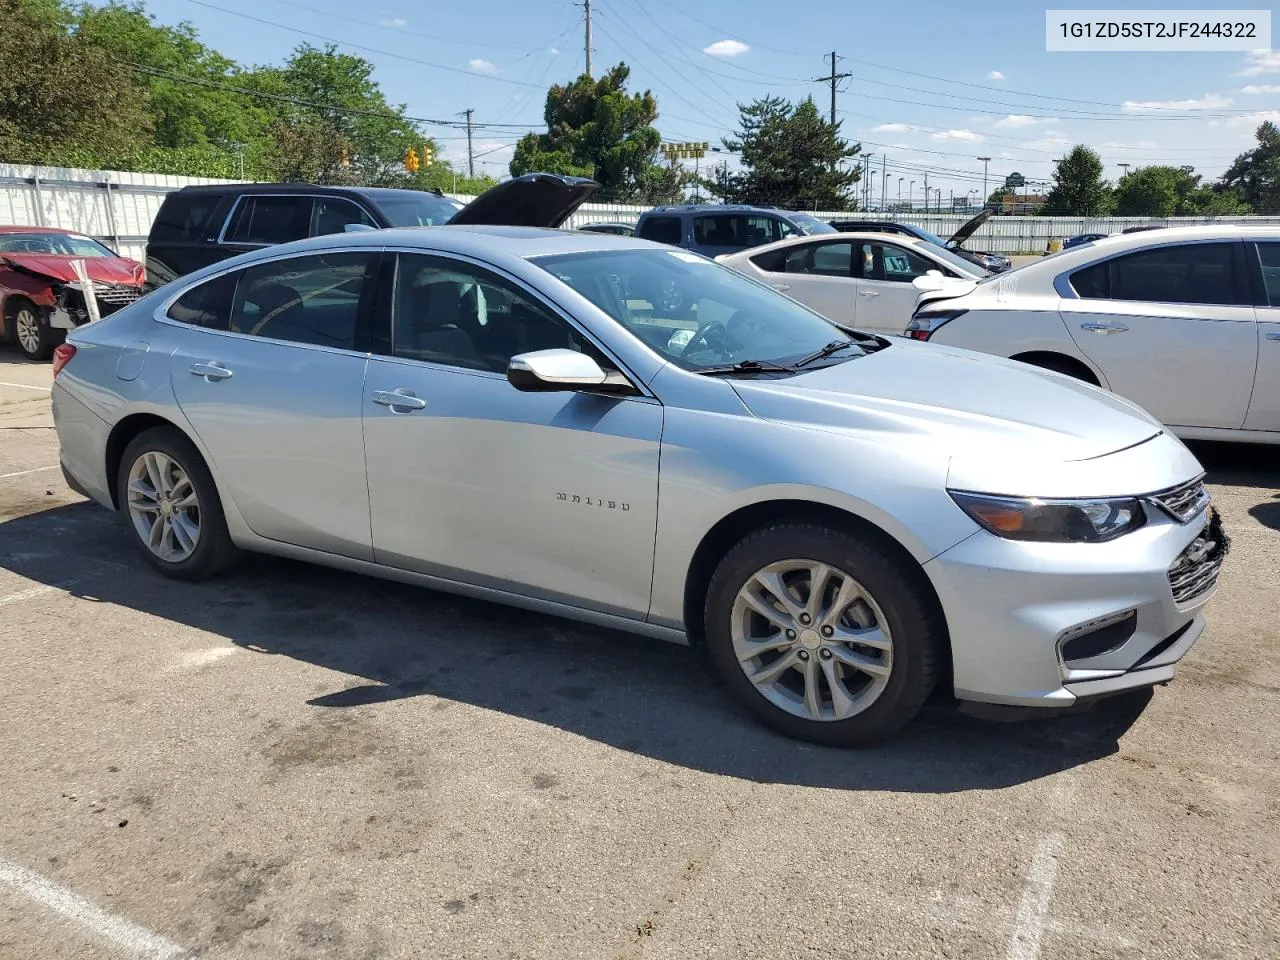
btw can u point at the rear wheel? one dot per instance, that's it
(168, 500)
(823, 634)
(36, 339)
(1060, 364)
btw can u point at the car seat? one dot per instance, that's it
(432, 328)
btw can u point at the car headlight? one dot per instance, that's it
(1052, 521)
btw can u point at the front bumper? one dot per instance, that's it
(1013, 608)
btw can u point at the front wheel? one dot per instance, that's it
(823, 634)
(36, 339)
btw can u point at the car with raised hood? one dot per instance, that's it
(201, 225)
(41, 295)
(991, 262)
(862, 280)
(844, 521)
(1184, 321)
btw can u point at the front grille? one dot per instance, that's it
(1196, 570)
(1183, 502)
(115, 294)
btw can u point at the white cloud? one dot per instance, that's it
(482, 66)
(1253, 119)
(1022, 120)
(1260, 62)
(455, 152)
(958, 135)
(726, 48)
(1261, 88)
(892, 128)
(1210, 101)
(393, 22)
(995, 75)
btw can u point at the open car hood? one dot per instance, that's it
(968, 227)
(532, 200)
(58, 267)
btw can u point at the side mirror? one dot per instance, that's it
(932, 280)
(560, 369)
(356, 227)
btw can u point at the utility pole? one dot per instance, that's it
(586, 7)
(926, 193)
(471, 166)
(985, 161)
(883, 179)
(1125, 168)
(832, 79)
(900, 179)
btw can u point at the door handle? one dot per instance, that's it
(868, 293)
(211, 371)
(1273, 336)
(398, 398)
(1104, 327)
(782, 287)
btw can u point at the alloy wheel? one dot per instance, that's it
(163, 506)
(27, 324)
(812, 640)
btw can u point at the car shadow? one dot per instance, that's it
(1239, 464)
(643, 696)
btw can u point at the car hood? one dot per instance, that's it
(58, 267)
(531, 200)
(961, 403)
(968, 227)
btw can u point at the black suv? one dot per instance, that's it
(988, 261)
(197, 226)
(717, 229)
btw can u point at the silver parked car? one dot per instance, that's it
(635, 436)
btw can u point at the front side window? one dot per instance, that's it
(721, 230)
(449, 312)
(315, 299)
(332, 214)
(1182, 273)
(1269, 257)
(693, 311)
(269, 220)
(888, 261)
(661, 230)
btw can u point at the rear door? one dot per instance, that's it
(1171, 327)
(886, 297)
(819, 274)
(270, 373)
(1264, 407)
(261, 220)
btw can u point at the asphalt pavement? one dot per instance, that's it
(292, 762)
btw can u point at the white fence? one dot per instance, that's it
(118, 208)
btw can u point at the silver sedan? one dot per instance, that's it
(612, 430)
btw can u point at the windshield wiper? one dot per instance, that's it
(747, 366)
(833, 347)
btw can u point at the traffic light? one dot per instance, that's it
(411, 160)
(427, 155)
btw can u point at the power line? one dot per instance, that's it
(403, 30)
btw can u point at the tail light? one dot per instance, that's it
(925, 323)
(62, 355)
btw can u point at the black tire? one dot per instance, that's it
(23, 312)
(214, 552)
(910, 612)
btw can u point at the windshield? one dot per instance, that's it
(810, 224)
(694, 312)
(966, 268)
(58, 244)
(424, 210)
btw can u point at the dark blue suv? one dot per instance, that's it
(715, 229)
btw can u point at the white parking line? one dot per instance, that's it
(23, 473)
(25, 386)
(1033, 909)
(138, 941)
(202, 658)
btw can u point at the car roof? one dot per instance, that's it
(17, 228)
(715, 208)
(298, 187)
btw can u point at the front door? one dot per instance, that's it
(1172, 328)
(1264, 408)
(268, 374)
(886, 295)
(552, 495)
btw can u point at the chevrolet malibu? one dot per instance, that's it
(635, 436)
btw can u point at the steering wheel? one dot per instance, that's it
(703, 335)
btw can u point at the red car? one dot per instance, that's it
(40, 295)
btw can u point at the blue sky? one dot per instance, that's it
(935, 84)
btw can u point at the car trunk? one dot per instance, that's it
(531, 200)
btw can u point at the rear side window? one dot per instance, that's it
(185, 217)
(1269, 257)
(269, 220)
(315, 299)
(206, 305)
(1186, 273)
(661, 229)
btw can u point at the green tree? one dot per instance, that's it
(1255, 174)
(791, 157)
(1162, 191)
(596, 129)
(1078, 189)
(58, 89)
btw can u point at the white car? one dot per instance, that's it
(1183, 321)
(861, 280)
